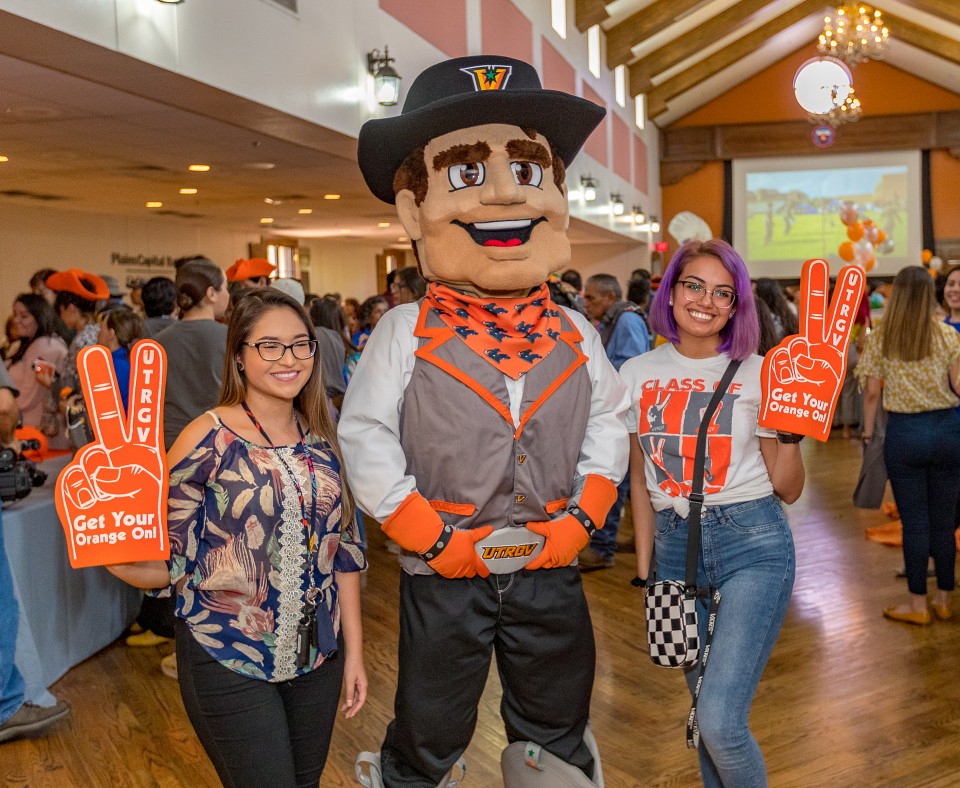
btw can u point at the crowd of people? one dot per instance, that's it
(255, 408)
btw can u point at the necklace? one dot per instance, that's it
(307, 634)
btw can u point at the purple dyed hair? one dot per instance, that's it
(741, 335)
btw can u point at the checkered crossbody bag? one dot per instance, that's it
(671, 606)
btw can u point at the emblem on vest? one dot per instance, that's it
(508, 551)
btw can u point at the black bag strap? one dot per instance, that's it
(693, 726)
(696, 492)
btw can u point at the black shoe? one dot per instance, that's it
(31, 719)
(590, 560)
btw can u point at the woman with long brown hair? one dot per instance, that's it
(265, 557)
(914, 360)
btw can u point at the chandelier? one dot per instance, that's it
(855, 34)
(846, 110)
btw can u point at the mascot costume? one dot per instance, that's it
(484, 427)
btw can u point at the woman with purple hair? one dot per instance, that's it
(705, 308)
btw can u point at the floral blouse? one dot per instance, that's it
(239, 551)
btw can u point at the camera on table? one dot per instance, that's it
(18, 475)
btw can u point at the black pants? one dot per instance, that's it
(259, 733)
(158, 614)
(538, 625)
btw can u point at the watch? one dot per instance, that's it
(639, 582)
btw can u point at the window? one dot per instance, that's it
(640, 110)
(620, 85)
(593, 50)
(558, 17)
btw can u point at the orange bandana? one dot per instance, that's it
(511, 334)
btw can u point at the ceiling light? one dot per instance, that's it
(654, 224)
(589, 186)
(188, 191)
(305, 211)
(260, 165)
(154, 204)
(616, 204)
(345, 231)
(199, 168)
(403, 239)
(266, 220)
(331, 196)
(386, 80)
(4, 158)
(639, 217)
(383, 224)
(856, 34)
(271, 201)
(821, 84)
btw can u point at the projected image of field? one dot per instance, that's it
(796, 215)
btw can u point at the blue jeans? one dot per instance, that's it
(11, 682)
(604, 540)
(746, 552)
(922, 453)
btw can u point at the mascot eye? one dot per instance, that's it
(527, 173)
(463, 175)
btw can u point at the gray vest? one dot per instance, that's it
(469, 460)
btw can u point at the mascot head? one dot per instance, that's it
(475, 164)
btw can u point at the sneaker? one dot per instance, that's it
(168, 666)
(32, 719)
(146, 640)
(590, 560)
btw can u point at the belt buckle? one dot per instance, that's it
(509, 549)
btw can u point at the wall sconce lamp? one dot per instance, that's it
(589, 186)
(616, 204)
(639, 217)
(170, 2)
(654, 224)
(386, 80)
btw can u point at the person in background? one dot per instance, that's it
(116, 295)
(914, 360)
(329, 321)
(769, 336)
(951, 298)
(268, 588)
(705, 309)
(327, 313)
(159, 297)
(351, 309)
(120, 329)
(38, 284)
(135, 286)
(389, 295)
(33, 364)
(572, 277)
(623, 332)
(11, 338)
(410, 286)
(255, 272)
(784, 319)
(369, 315)
(78, 295)
(18, 717)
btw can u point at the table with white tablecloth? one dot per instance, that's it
(66, 615)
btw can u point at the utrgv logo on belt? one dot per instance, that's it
(508, 551)
(489, 77)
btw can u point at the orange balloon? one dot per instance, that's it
(870, 263)
(926, 255)
(881, 236)
(846, 250)
(855, 231)
(932, 272)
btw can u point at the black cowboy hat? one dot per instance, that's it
(472, 91)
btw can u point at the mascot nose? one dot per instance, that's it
(500, 187)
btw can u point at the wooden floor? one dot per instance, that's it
(848, 699)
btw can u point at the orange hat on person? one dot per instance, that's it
(254, 268)
(70, 281)
(655, 281)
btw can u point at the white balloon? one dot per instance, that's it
(936, 263)
(863, 252)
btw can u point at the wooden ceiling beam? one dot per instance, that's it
(588, 13)
(659, 15)
(922, 38)
(945, 9)
(689, 44)
(658, 97)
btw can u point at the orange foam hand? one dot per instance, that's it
(801, 377)
(112, 497)
(459, 558)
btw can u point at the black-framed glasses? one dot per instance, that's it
(270, 350)
(723, 297)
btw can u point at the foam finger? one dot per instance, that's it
(781, 366)
(102, 395)
(815, 284)
(851, 282)
(148, 372)
(78, 487)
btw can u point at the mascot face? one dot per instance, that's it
(493, 221)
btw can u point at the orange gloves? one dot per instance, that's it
(415, 526)
(568, 535)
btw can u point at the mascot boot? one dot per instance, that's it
(528, 765)
(370, 776)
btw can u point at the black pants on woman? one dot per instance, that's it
(922, 454)
(259, 733)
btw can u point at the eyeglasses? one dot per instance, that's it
(274, 351)
(723, 297)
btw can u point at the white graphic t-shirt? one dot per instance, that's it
(668, 396)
